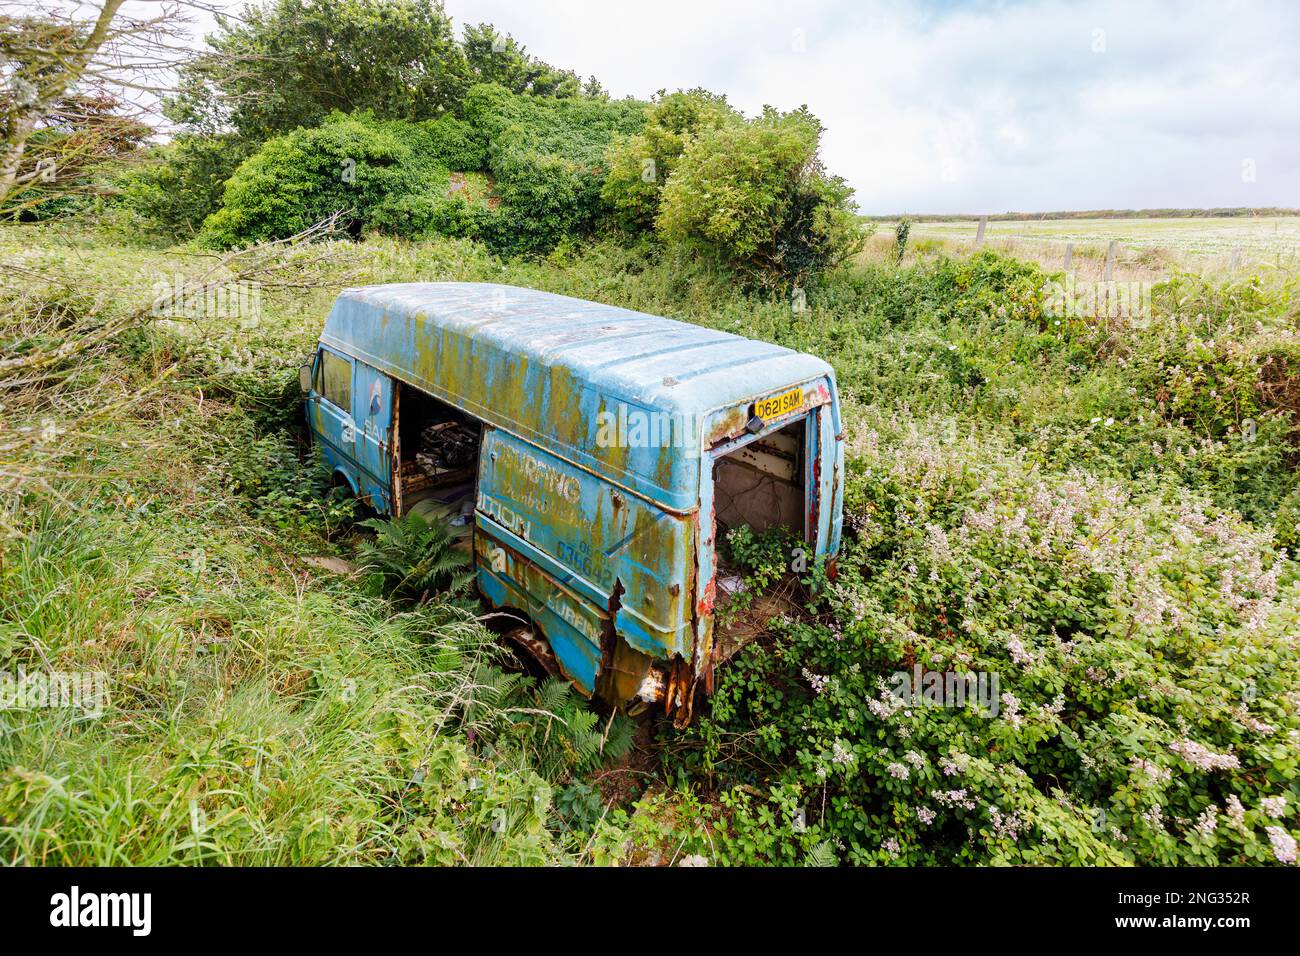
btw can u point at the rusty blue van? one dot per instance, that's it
(592, 454)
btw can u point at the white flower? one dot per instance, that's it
(1201, 757)
(1284, 846)
(1236, 812)
(1207, 822)
(1274, 807)
(820, 682)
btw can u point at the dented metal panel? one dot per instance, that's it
(595, 538)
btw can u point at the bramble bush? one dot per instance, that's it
(1147, 695)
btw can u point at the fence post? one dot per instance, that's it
(1235, 259)
(1069, 255)
(1110, 260)
(979, 233)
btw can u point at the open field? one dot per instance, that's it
(1148, 248)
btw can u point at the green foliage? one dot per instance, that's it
(639, 165)
(1007, 511)
(579, 806)
(755, 195)
(283, 492)
(494, 57)
(546, 157)
(382, 175)
(1141, 712)
(901, 232)
(286, 64)
(447, 141)
(412, 557)
(181, 184)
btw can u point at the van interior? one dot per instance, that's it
(436, 448)
(761, 484)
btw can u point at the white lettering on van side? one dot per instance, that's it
(542, 475)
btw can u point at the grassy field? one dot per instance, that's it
(1148, 248)
(1100, 513)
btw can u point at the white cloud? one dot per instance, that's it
(973, 107)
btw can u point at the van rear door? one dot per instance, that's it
(776, 460)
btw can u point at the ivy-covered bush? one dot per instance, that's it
(390, 176)
(547, 159)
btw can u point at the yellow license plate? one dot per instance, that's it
(778, 405)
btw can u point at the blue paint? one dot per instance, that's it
(601, 426)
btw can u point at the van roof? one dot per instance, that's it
(660, 362)
(546, 364)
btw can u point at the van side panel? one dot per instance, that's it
(616, 552)
(332, 426)
(372, 415)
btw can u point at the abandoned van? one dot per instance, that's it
(593, 455)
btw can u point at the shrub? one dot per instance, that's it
(546, 157)
(381, 175)
(182, 183)
(755, 195)
(640, 165)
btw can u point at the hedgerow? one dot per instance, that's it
(389, 176)
(546, 157)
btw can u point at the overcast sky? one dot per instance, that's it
(972, 107)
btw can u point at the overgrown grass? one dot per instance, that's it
(265, 711)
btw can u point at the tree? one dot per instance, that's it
(494, 57)
(756, 194)
(291, 63)
(69, 76)
(69, 152)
